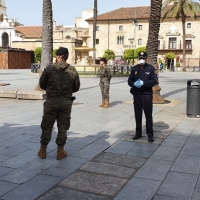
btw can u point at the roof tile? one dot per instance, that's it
(30, 31)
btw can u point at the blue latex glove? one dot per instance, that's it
(141, 83)
(137, 84)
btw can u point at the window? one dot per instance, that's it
(140, 27)
(97, 41)
(189, 25)
(172, 43)
(188, 44)
(121, 28)
(120, 40)
(139, 41)
(97, 28)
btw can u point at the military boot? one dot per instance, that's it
(102, 104)
(106, 104)
(61, 153)
(42, 151)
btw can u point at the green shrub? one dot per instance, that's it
(38, 53)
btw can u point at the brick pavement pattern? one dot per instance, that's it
(103, 163)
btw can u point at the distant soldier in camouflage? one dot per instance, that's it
(59, 80)
(105, 77)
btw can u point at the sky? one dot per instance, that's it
(29, 12)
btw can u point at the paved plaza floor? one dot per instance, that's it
(103, 163)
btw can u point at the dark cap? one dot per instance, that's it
(142, 55)
(61, 51)
(103, 59)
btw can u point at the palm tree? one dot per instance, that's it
(47, 36)
(152, 43)
(94, 29)
(180, 9)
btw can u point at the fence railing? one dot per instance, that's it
(115, 69)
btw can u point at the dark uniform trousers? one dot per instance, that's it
(143, 102)
(56, 108)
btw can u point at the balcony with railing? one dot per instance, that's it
(174, 47)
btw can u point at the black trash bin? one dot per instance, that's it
(193, 98)
(32, 68)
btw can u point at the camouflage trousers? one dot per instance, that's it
(58, 109)
(105, 86)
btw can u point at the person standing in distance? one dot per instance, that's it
(141, 80)
(105, 77)
(59, 80)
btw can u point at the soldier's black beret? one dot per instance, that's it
(142, 55)
(61, 51)
(103, 59)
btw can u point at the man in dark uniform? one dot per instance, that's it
(141, 81)
(105, 77)
(59, 80)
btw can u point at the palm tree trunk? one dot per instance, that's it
(152, 44)
(47, 37)
(183, 26)
(94, 29)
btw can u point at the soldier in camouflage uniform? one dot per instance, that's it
(59, 80)
(105, 77)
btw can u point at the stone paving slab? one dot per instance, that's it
(178, 185)
(121, 147)
(91, 150)
(28, 171)
(142, 140)
(108, 169)
(3, 158)
(65, 167)
(138, 188)
(187, 164)
(61, 193)
(154, 169)
(196, 196)
(99, 184)
(143, 150)
(191, 148)
(5, 170)
(6, 187)
(166, 153)
(20, 159)
(175, 140)
(17, 149)
(158, 197)
(194, 138)
(33, 188)
(121, 160)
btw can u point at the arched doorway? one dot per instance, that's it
(5, 39)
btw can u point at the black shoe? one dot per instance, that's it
(136, 137)
(151, 139)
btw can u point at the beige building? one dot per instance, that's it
(128, 28)
(117, 30)
(62, 37)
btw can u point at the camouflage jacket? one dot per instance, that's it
(60, 79)
(104, 73)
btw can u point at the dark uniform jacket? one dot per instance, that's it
(60, 79)
(104, 73)
(146, 74)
